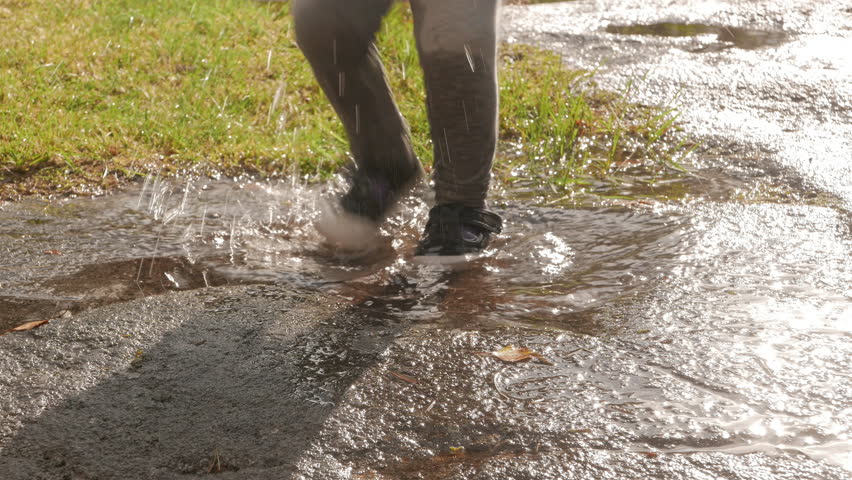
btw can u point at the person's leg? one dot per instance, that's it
(457, 42)
(337, 38)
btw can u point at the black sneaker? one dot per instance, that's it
(368, 197)
(353, 224)
(456, 233)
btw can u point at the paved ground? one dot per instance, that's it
(762, 82)
(703, 337)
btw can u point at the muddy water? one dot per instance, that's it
(65, 256)
(696, 328)
(676, 330)
(713, 323)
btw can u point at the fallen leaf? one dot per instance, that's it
(27, 326)
(457, 451)
(215, 463)
(52, 252)
(515, 354)
(403, 377)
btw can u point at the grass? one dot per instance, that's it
(94, 93)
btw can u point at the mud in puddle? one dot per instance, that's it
(67, 256)
(704, 335)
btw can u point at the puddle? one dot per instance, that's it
(696, 325)
(75, 254)
(101, 284)
(674, 325)
(725, 37)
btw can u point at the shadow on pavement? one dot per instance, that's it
(241, 385)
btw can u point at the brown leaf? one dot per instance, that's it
(403, 377)
(27, 326)
(515, 354)
(52, 252)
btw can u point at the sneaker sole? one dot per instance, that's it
(344, 230)
(447, 259)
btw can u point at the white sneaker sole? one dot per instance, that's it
(345, 230)
(448, 260)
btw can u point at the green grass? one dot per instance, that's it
(93, 93)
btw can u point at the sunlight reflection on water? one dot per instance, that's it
(703, 327)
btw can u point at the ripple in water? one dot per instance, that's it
(686, 328)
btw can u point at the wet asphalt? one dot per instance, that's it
(764, 82)
(702, 336)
